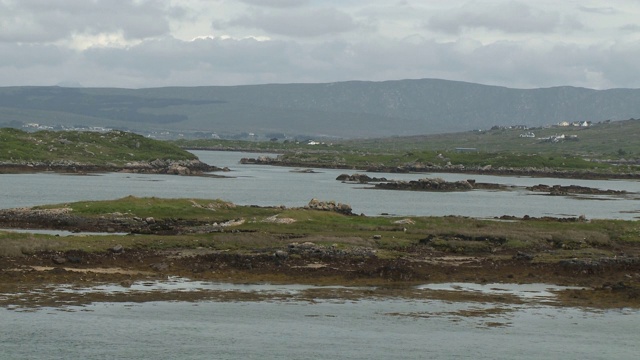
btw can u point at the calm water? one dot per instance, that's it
(324, 329)
(366, 329)
(267, 185)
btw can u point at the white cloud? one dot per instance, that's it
(53, 20)
(297, 23)
(508, 17)
(276, 3)
(146, 43)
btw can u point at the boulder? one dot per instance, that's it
(160, 266)
(59, 260)
(118, 249)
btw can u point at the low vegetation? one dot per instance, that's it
(609, 147)
(255, 228)
(214, 240)
(111, 148)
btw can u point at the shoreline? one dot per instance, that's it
(24, 280)
(606, 282)
(169, 167)
(455, 169)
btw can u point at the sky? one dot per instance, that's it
(156, 43)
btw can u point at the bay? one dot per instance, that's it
(269, 185)
(324, 329)
(335, 328)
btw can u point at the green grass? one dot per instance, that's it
(115, 147)
(497, 148)
(457, 235)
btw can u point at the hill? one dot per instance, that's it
(75, 151)
(354, 109)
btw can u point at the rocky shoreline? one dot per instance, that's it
(158, 166)
(460, 169)
(608, 281)
(440, 185)
(22, 278)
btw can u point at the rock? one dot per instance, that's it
(118, 249)
(316, 204)
(177, 169)
(359, 178)
(523, 256)
(281, 254)
(59, 260)
(404, 222)
(150, 220)
(160, 266)
(426, 184)
(74, 259)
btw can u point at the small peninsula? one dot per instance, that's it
(86, 152)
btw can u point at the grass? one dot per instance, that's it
(496, 147)
(18, 244)
(111, 148)
(457, 235)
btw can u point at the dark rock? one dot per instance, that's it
(74, 259)
(427, 184)
(359, 178)
(523, 256)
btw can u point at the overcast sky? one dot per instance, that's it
(152, 43)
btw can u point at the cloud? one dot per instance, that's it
(605, 10)
(297, 23)
(633, 28)
(508, 17)
(52, 20)
(147, 43)
(276, 3)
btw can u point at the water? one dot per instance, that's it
(327, 329)
(268, 185)
(364, 329)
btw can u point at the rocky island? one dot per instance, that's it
(322, 243)
(87, 152)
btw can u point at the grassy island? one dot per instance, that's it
(321, 243)
(87, 151)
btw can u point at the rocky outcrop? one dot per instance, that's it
(172, 167)
(573, 189)
(359, 178)
(310, 249)
(426, 184)
(316, 204)
(158, 166)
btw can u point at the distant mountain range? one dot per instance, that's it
(349, 109)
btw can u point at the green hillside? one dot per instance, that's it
(613, 139)
(608, 147)
(353, 109)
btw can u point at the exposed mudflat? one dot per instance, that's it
(34, 280)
